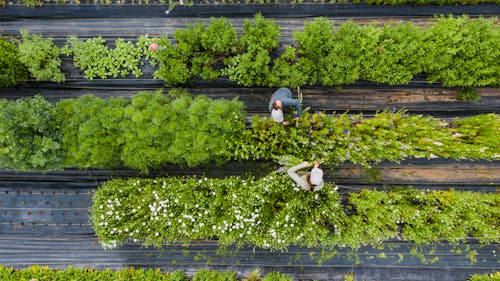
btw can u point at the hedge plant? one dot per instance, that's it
(30, 138)
(147, 131)
(41, 57)
(456, 51)
(151, 130)
(273, 213)
(38, 272)
(13, 71)
(391, 136)
(485, 277)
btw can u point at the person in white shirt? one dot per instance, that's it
(311, 181)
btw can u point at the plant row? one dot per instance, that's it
(274, 213)
(455, 51)
(173, 3)
(130, 274)
(152, 129)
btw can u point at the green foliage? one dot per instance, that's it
(38, 272)
(485, 277)
(30, 138)
(209, 275)
(158, 129)
(144, 41)
(395, 54)
(252, 67)
(96, 60)
(463, 52)
(273, 213)
(276, 276)
(468, 94)
(91, 130)
(32, 3)
(457, 51)
(387, 136)
(13, 72)
(199, 49)
(316, 43)
(41, 57)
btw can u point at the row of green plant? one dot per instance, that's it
(274, 213)
(173, 3)
(146, 131)
(455, 51)
(152, 129)
(485, 277)
(40, 273)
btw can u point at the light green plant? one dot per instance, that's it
(273, 213)
(13, 71)
(41, 57)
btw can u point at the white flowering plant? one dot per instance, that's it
(273, 213)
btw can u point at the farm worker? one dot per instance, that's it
(282, 97)
(311, 181)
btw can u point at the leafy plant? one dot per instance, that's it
(30, 137)
(13, 71)
(485, 277)
(387, 136)
(158, 129)
(468, 94)
(96, 60)
(463, 52)
(32, 3)
(273, 213)
(41, 57)
(199, 49)
(91, 130)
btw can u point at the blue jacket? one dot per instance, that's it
(285, 96)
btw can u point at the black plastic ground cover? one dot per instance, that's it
(438, 102)
(12, 12)
(394, 262)
(47, 223)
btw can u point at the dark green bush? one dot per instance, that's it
(455, 51)
(463, 52)
(13, 72)
(209, 275)
(30, 137)
(199, 49)
(91, 130)
(158, 129)
(41, 57)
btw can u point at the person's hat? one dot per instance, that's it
(277, 115)
(316, 176)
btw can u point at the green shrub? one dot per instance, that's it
(209, 275)
(276, 276)
(273, 213)
(387, 136)
(159, 129)
(199, 49)
(392, 54)
(41, 57)
(485, 277)
(96, 60)
(37, 272)
(463, 52)
(13, 71)
(91, 130)
(30, 137)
